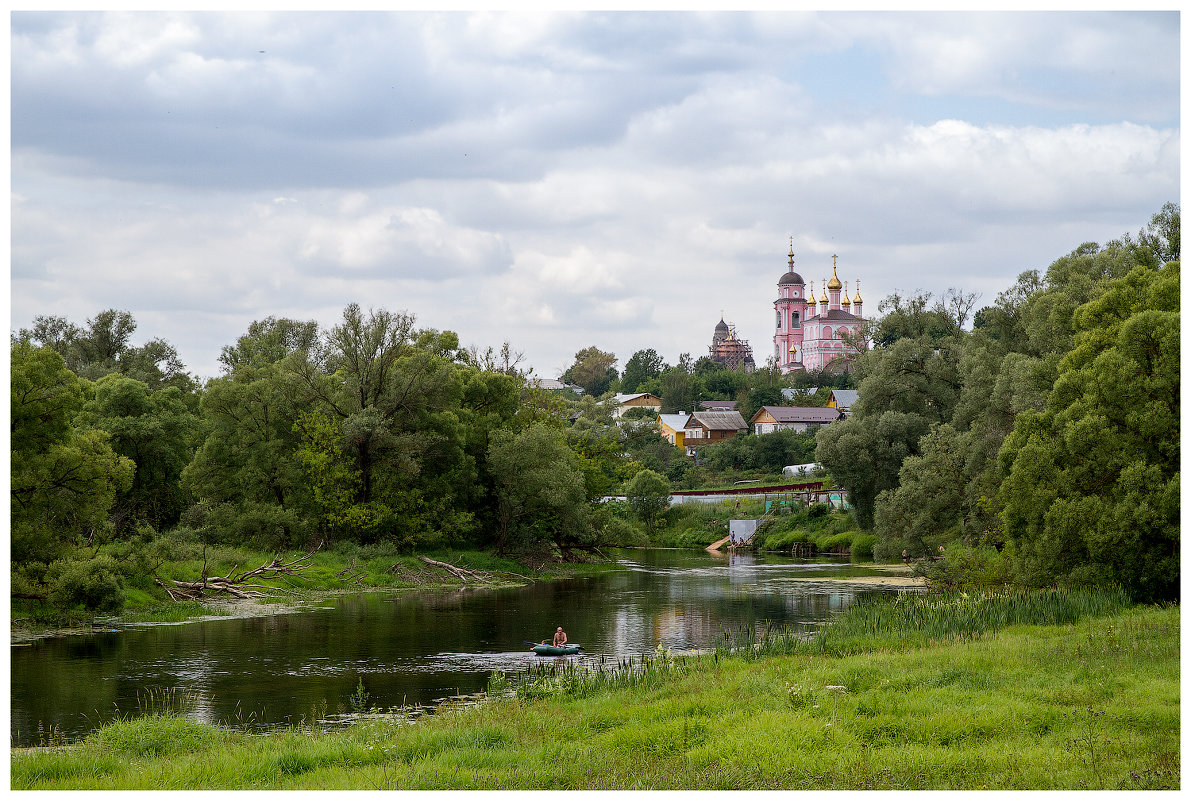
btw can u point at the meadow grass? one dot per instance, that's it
(1091, 702)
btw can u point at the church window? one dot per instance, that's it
(779, 320)
(793, 319)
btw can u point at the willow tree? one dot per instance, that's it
(1091, 483)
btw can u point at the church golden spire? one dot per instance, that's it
(845, 302)
(834, 283)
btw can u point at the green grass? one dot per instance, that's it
(349, 567)
(1089, 703)
(825, 529)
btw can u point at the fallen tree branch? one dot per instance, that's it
(460, 573)
(236, 584)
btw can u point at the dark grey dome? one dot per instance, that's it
(791, 278)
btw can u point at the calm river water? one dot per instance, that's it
(412, 648)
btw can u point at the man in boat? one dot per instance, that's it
(560, 638)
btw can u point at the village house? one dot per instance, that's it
(798, 418)
(844, 400)
(705, 428)
(673, 427)
(637, 400)
(717, 406)
(554, 385)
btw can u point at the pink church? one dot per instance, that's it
(808, 331)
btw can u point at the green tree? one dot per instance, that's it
(1091, 483)
(246, 475)
(540, 492)
(648, 495)
(719, 382)
(865, 454)
(268, 342)
(641, 366)
(63, 481)
(157, 432)
(680, 390)
(928, 502)
(104, 346)
(593, 369)
(912, 317)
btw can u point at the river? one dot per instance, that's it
(409, 648)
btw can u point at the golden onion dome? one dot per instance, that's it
(857, 298)
(845, 302)
(834, 284)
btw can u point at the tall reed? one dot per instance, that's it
(911, 619)
(871, 624)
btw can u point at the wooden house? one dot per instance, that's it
(637, 400)
(709, 427)
(673, 427)
(799, 418)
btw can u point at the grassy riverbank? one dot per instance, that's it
(343, 569)
(934, 697)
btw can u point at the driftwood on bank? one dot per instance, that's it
(460, 573)
(237, 585)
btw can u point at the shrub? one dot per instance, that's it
(965, 567)
(841, 540)
(93, 584)
(862, 546)
(623, 533)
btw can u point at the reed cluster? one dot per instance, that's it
(580, 679)
(872, 624)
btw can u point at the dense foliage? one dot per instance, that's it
(1047, 434)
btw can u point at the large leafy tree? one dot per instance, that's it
(63, 480)
(373, 430)
(906, 387)
(593, 369)
(641, 367)
(1091, 483)
(648, 495)
(104, 345)
(157, 431)
(680, 390)
(1008, 365)
(246, 475)
(539, 490)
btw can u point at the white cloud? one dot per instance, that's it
(569, 179)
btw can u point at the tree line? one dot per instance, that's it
(1047, 432)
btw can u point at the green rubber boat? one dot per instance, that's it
(556, 650)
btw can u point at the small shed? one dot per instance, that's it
(742, 532)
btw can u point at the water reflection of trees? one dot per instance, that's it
(411, 647)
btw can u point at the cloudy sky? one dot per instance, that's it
(560, 181)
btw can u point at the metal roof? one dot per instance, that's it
(720, 421)
(846, 398)
(799, 414)
(676, 422)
